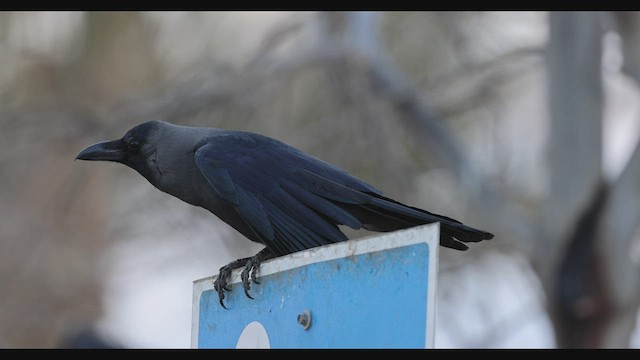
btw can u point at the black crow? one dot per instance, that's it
(270, 192)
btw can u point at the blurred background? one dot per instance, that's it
(524, 124)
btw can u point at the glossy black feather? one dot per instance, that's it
(294, 201)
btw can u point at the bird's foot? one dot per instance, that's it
(220, 284)
(249, 271)
(248, 274)
(251, 268)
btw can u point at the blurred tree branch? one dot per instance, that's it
(430, 131)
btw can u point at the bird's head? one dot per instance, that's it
(136, 149)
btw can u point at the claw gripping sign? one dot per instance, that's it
(376, 292)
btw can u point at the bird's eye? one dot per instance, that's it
(133, 146)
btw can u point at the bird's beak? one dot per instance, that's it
(104, 151)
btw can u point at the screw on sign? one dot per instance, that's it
(304, 319)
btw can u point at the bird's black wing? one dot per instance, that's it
(294, 201)
(274, 188)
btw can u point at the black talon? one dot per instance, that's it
(245, 279)
(219, 288)
(220, 284)
(246, 292)
(251, 266)
(251, 270)
(254, 278)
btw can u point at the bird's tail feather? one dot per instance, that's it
(384, 214)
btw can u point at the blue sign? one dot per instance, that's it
(376, 292)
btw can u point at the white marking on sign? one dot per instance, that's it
(254, 336)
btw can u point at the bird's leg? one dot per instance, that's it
(220, 285)
(251, 267)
